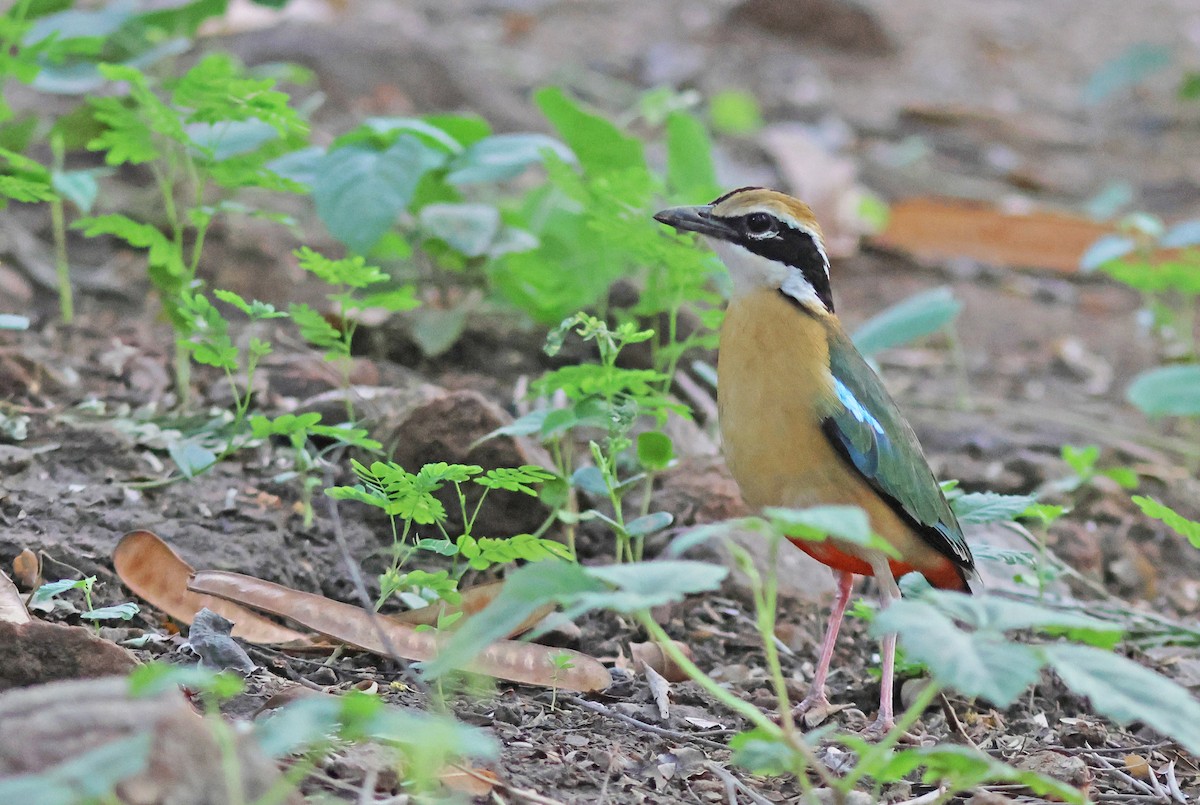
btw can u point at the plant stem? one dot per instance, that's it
(66, 301)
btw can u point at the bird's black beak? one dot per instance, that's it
(696, 219)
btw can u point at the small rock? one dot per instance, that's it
(840, 24)
(1070, 769)
(445, 429)
(38, 652)
(62, 721)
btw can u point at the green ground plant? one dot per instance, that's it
(984, 661)
(411, 503)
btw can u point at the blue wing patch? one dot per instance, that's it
(871, 433)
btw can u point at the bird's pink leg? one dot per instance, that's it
(888, 591)
(816, 702)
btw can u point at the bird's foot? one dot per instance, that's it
(815, 709)
(882, 726)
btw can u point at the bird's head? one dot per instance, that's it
(768, 240)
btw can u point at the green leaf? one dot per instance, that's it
(1181, 236)
(973, 663)
(1127, 69)
(502, 157)
(1105, 250)
(525, 590)
(915, 317)
(437, 329)
(54, 588)
(655, 451)
(991, 614)
(315, 329)
(964, 768)
(124, 612)
(759, 752)
(190, 457)
(78, 187)
(818, 523)
(643, 585)
(990, 507)
(691, 173)
(10, 321)
(467, 228)
(735, 112)
(516, 479)
(359, 191)
(599, 145)
(1125, 691)
(1167, 391)
(1188, 529)
(649, 524)
(87, 776)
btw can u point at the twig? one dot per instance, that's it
(1173, 784)
(1125, 778)
(366, 793)
(926, 798)
(952, 717)
(522, 793)
(662, 732)
(733, 784)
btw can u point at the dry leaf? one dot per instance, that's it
(1137, 766)
(937, 229)
(149, 567)
(473, 782)
(27, 570)
(652, 656)
(12, 608)
(660, 689)
(506, 659)
(474, 600)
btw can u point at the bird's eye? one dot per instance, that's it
(760, 225)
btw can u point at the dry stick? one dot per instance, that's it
(360, 588)
(952, 717)
(926, 798)
(733, 783)
(662, 732)
(1129, 780)
(1173, 784)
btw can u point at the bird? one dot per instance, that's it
(806, 421)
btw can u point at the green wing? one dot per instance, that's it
(870, 432)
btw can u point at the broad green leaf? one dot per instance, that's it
(1127, 69)
(191, 458)
(1105, 250)
(989, 507)
(915, 317)
(735, 112)
(599, 145)
(973, 663)
(301, 166)
(655, 450)
(760, 752)
(359, 191)
(818, 523)
(965, 768)
(1188, 529)
(1167, 391)
(1125, 691)
(1182, 235)
(10, 321)
(502, 157)
(230, 138)
(54, 588)
(654, 583)
(467, 228)
(124, 612)
(991, 614)
(525, 590)
(649, 524)
(590, 480)
(690, 170)
(78, 187)
(437, 329)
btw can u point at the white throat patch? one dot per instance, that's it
(752, 272)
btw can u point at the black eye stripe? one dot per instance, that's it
(798, 249)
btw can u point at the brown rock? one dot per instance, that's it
(38, 652)
(445, 428)
(839, 24)
(63, 721)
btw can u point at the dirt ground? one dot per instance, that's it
(992, 95)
